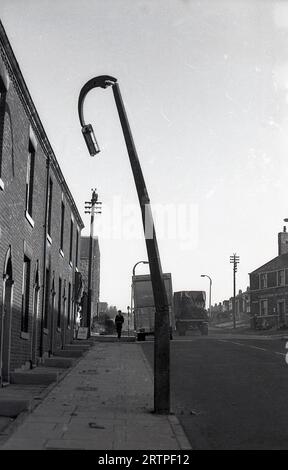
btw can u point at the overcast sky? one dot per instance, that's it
(205, 85)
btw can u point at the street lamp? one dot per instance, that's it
(139, 262)
(210, 283)
(162, 333)
(133, 274)
(128, 313)
(90, 140)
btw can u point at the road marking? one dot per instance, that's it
(251, 346)
(183, 340)
(256, 347)
(229, 341)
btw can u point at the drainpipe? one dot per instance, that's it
(44, 256)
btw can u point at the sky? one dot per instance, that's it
(205, 86)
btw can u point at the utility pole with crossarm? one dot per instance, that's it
(91, 208)
(234, 260)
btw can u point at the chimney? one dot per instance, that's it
(282, 242)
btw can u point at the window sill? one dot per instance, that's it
(49, 239)
(24, 335)
(2, 185)
(29, 218)
(61, 253)
(45, 331)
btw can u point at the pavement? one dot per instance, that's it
(104, 401)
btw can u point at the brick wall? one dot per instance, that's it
(22, 235)
(95, 270)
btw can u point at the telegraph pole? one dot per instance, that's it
(90, 208)
(234, 260)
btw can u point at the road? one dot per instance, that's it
(229, 392)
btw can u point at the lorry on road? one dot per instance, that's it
(144, 308)
(189, 311)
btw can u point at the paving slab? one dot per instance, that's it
(107, 410)
(26, 444)
(70, 444)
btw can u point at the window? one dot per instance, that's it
(47, 298)
(59, 303)
(263, 281)
(71, 241)
(30, 178)
(50, 190)
(272, 279)
(62, 225)
(3, 93)
(281, 277)
(263, 307)
(25, 295)
(77, 247)
(69, 305)
(254, 281)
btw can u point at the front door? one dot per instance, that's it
(52, 323)
(63, 323)
(281, 312)
(34, 324)
(6, 330)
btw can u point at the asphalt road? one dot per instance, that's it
(229, 393)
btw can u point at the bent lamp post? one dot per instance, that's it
(162, 335)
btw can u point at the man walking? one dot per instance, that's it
(119, 319)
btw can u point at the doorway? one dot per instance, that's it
(35, 320)
(5, 323)
(52, 323)
(281, 312)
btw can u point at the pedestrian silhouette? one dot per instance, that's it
(119, 319)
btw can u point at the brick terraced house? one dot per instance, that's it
(269, 289)
(40, 230)
(95, 276)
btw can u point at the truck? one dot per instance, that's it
(190, 312)
(144, 308)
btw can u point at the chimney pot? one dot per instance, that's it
(282, 242)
